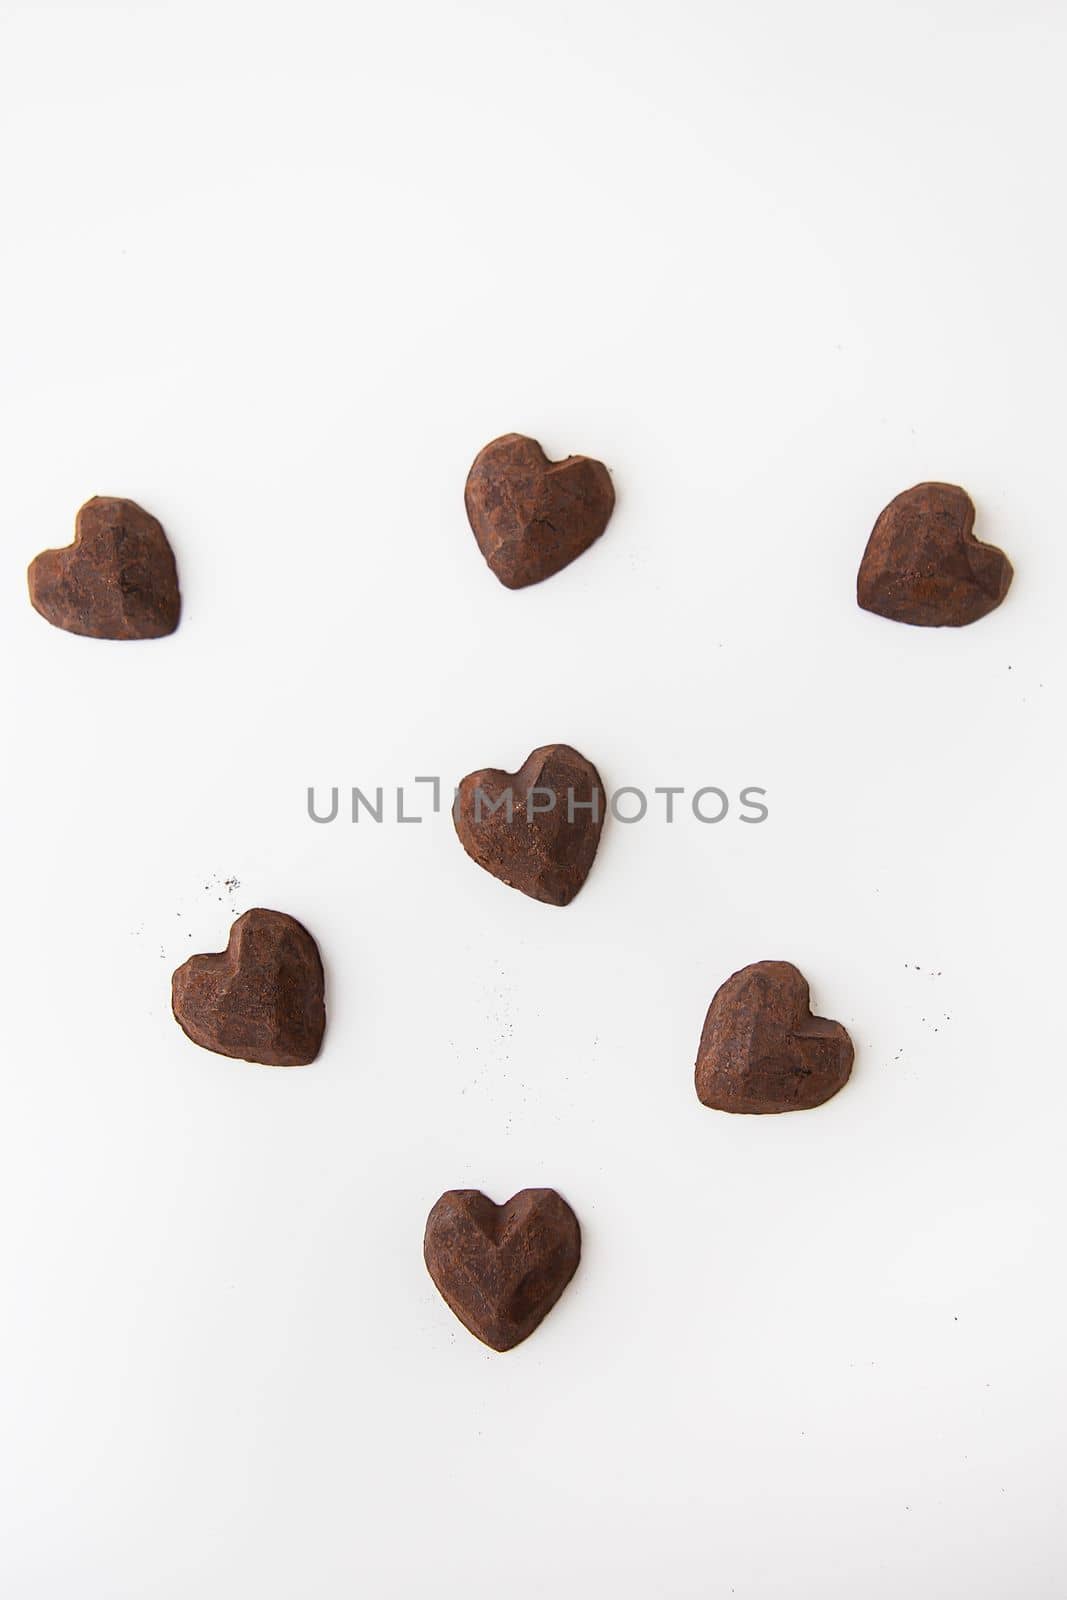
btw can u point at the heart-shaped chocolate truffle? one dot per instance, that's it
(501, 1269)
(261, 999)
(536, 829)
(923, 564)
(532, 516)
(117, 580)
(761, 1048)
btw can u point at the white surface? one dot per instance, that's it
(277, 273)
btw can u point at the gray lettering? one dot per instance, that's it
(592, 805)
(436, 790)
(754, 804)
(481, 798)
(533, 810)
(696, 805)
(615, 804)
(670, 793)
(400, 817)
(335, 796)
(359, 798)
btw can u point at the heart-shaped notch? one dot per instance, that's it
(261, 999)
(923, 564)
(118, 580)
(501, 1269)
(532, 516)
(537, 829)
(762, 1050)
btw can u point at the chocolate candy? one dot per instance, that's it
(501, 1269)
(532, 516)
(536, 829)
(117, 580)
(923, 564)
(261, 999)
(762, 1050)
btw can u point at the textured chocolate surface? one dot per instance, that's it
(117, 580)
(762, 1050)
(923, 564)
(261, 999)
(501, 1269)
(531, 516)
(543, 835)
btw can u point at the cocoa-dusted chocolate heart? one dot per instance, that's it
(117, 580)
(532, 516)
(536, 829)
(762, 1050)
(501, 1269)
(261, 999)
(923, 564)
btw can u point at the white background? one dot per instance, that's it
(277, 273)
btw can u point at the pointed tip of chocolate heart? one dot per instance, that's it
(924, 566)
(537, 829)
(531, 516)
(501, 1269)
(762, 1050)
(118, 580)
(262, 999)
